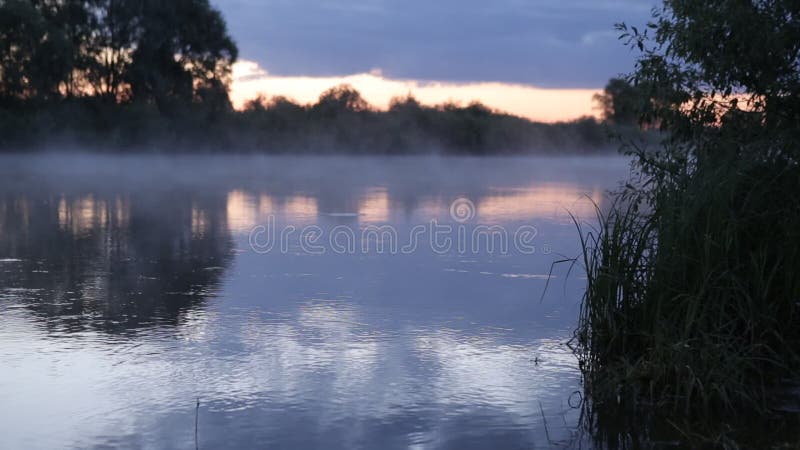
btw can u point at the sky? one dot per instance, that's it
(541, 59)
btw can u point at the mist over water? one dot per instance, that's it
(130, 287)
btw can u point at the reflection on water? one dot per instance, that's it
(128, 290)
(110, 261)
(549, 201)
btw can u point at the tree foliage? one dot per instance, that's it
(149, 51)
(620, 102)
(35, 55)
(342, 121)
(723, 75)
(692, 294)
(153, 73)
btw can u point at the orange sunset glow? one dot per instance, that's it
(557, 202)
(531, 102)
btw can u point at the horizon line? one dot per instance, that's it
(548, 105)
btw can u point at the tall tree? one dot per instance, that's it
(724, 62)
(109, 52)
(338, 100)
(620, 102)
(35, 53)
(150, 51)
(182, 53)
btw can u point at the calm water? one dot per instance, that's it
(130, 287)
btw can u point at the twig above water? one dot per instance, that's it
(196, 417)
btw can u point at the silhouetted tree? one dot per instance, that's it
(339, 99)
(735, 63)
(136, 73)
(183, 50)
(407, 104)
(148, 51)
(621, 103)
(703, 239)
(117, 25)
(35, 54)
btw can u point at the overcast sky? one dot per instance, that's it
(548, 43)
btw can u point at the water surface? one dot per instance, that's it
(132, 286)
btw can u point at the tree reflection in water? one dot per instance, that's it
(114, 261)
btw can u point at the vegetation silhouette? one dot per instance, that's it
(140, 51)
(621, 101)
(688, 329)
(122, 75)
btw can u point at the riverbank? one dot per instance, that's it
(339, 123)
(692, 294)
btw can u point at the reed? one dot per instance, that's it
(693, 293)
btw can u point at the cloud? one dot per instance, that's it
(599, 37)
(547, 105)
(549, 43)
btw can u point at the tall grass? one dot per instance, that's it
(693, 292)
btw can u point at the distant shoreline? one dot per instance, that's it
(340, 123)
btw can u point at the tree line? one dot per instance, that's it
(117, 51)
(148, 74)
